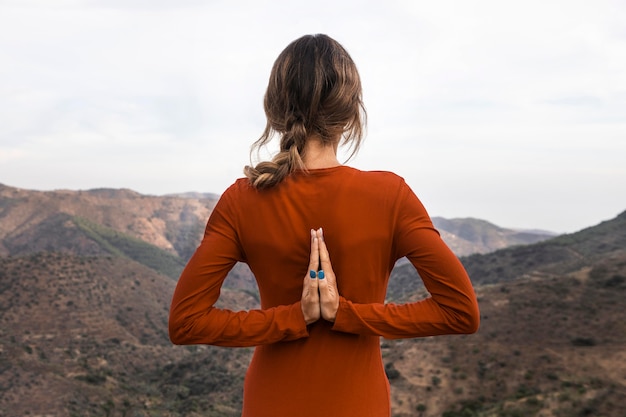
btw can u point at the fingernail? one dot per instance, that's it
(320, 274)
(312, 273)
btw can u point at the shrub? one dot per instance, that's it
(391, 371)
(583, 341)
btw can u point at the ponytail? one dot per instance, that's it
(266, 174)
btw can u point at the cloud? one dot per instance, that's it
(465, 99)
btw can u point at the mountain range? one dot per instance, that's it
(86, 279)
(96, 221)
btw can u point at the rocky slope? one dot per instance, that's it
(173, 224)
(84, 302)
(468, 236)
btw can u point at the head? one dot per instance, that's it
(314, 93)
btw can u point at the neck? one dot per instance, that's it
(319, 155)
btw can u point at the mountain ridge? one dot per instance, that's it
(86, 335)
(175, 222)
(564, 253)
(468, 235)
(84, 329)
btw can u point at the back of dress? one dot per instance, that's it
(370, 219)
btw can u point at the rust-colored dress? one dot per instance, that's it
(370, 219)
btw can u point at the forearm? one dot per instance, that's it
(222, 327)
(194, 319)
(452, 307)
(423, 318)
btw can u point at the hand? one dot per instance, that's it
(310, 301)
(329, 294)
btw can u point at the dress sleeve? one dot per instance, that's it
(452, 306)
(194, 319)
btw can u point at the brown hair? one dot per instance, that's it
(314, 90)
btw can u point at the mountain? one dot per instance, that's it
(62, 232)
(85, 286)
(468, 236)
(87, 335)
(561, 255)
(162, 232)
(549, 345)
(172, 224)
(196, 195)
(552, 339)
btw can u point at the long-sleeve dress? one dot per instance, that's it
(370, 220)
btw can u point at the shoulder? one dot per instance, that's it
(384, 176)
(241, 185)
(379, 180)
(239, 189)
(234, 196)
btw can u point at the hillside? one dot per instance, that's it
(85, 335)
(84, 300)
(173, 224)
(75, 235)
(560, 255)
(160, 232)
(469, 236)
(88, 336)
(547, 346)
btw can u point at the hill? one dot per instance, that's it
(559, 255)
(84, 300)
(85, 335)
(553, 345)
(173, 224)
(468, 236)
(552, 339)
(88, 336)
(75, 235)
(160, 232)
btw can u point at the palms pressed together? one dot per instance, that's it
(320, 297)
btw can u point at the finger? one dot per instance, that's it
(324, 256)
(310, 310)
(315, 252)
(310, 291)
(327, 285)
(329, 299)
(310, 300)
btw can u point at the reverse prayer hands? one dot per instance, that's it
(320, 297)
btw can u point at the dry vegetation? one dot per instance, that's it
(171, 223)
(547, 346)
(87, 336)
(83, 331)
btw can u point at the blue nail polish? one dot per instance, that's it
(312, 273)
(320, 274)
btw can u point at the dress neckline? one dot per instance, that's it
(322, 171)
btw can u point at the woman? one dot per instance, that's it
(317, 338)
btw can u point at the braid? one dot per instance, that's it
(266, 174)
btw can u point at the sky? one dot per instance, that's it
(512, 112)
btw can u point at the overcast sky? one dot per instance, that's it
(513, 112)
